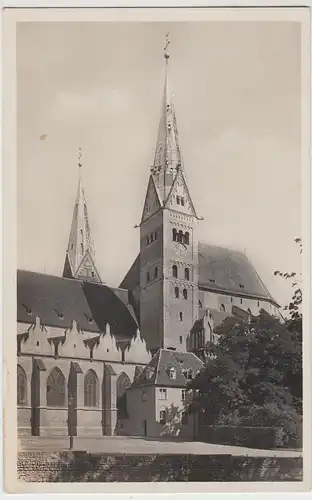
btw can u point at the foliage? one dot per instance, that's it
(246, 381)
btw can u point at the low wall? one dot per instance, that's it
(91, 467)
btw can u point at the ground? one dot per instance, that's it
(138, 445)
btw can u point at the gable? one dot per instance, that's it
(87, 269)
(152, 203)
(179, 197)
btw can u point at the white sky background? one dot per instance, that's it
(99, 86)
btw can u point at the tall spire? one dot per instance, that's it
(167, 160)
(79, 261)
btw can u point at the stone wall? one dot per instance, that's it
(86, 467)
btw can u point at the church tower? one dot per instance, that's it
(168, 241)
(79, 260)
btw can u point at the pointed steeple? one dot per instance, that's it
(79, 261)
(167, 160)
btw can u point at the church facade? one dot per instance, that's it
(97, 360)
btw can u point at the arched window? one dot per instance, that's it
(184, 293)
(174, 271)
(174, 234)
(176, 292)
(187, 273)
(187, 238)
(222, 307)
(21, 386)
(180, 236)
(91, 389)
(123, 383)
(56, 388)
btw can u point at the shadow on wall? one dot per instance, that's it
(86, 467)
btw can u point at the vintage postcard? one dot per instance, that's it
(156, 250)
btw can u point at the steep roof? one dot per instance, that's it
(58, 301)
(157, 371)
(225, 270)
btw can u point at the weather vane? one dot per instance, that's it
(167, 45)
(79, 157)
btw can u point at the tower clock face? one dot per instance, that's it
(180, 249)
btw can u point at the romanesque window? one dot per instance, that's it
(21, 386)
(176, 292)
(187, 273)
(91, 389)
(56, 388)
(123, 382)
(162, 416)
(187, 238)
(174, 235)
(184, 293)
(174, 271)
(222, 307)
(172, 374)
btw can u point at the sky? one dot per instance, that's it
(98, 86)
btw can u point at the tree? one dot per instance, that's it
(245, 382)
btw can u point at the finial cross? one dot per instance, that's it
(79, 157)
(166, 46)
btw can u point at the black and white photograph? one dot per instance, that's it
(159, 245)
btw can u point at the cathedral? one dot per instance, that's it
(96, 360)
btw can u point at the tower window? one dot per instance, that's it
(187, 273)
(174, 271)
(176, 292)
(187, 238)
(180, 339)
(156, 272)
(181, 316)
(180, 236)
(147, 276)
(174, 235)
(184, 293)
(178, 200)
(182, 201)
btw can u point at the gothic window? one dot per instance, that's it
(56, 388)
(123, 382)
(180, 236)
(21, 386)
(176, 292)
(156, 272)
(174, 271)
(182, 201)
(174, 235)
(187, 273)
(91, 389)
(184, 293)
(178, 200)
(222, 307)
(187, 238)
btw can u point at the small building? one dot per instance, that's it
(157, 399)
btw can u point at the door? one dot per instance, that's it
(145, 427)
